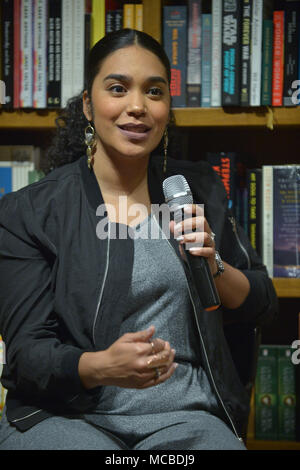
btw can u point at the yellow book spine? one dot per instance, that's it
(98, 21)
(129, 15)
(139, 17)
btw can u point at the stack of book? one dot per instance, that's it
(266, 203)
(241, 53)
(273, 413)
(45, 43)
(19, 166)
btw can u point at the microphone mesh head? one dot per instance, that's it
(177, 191)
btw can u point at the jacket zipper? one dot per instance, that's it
(103, 284)
(27, 416)
(203, 347)
(234, 228)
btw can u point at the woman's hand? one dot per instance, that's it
(202, 234)
(133, 361)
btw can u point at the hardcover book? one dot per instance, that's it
(54, 54)
(216, 57)
(175, 44)
(278, 57)
(246, 52)
(286, 395)
(291, 49)
(267, 63)
(254, 181)
(206, 61)
(194, 54)
(8, 51)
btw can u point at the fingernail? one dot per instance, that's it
(174, 351)
(175, 365)
(180, 238)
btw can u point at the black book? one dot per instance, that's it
(246, 52)
(8, 52)
(54, 55)
(291, 50)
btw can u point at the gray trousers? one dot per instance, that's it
(76, 433)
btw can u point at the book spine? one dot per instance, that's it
(215, 161)
(78, 46)
(8, 52)
(17, 52)
(216, 61)
(54, 54)
(67, 52)
(278, 57)
(26, 46)
(254, 201)
(246, 53)
(193, 94)
(110, 21)
(118, 19)
(286, 395)
(5, 178)
(291, 45)
(286, 233)
(129, 15)
(40, 54)
(228, 176)
(98, 21)
(266, 394)
(256, 53)
(139, 17)
(175, 31)
(87, 31)
(267, 222)
(231, 53)
(267, 63)
(206, 60)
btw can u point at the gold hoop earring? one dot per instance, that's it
(89, 134)
(166, 142)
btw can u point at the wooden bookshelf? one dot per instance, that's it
(287, 287)
(185, 117)
(253, 444)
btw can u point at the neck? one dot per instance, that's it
(120, 175)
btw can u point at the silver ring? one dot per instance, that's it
(157, 373)
(212, 236)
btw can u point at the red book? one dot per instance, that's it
(278, 57)
(17, 60)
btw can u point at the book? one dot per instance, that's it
(216, 56)
(256, 52)
(246, 52)
(267, 220)
(227, 163)
(266, 396)
(231, 52)
(17, 53)
(5, 178)
(267, 63)
(97, 21)
(175, 44)
(206, 60)
(40, 10)
(291, 49)
(129, 15)
(254, 185)
(14, 175)
(278, 57)
(78, 46)
(286, 220)
(7, 35)
(286, 395)
(67, 51)
(26, 47)
(54, 51)
(138, 22)
(193, 92)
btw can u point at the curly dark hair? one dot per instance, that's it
(68, 142)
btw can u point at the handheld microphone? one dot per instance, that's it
(178, 194)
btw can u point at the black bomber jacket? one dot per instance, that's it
(55, 303)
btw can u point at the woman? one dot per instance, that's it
(91, 319)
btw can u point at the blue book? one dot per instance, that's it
(175, 44)
(206, 60)
(5, 178)
(286, 221)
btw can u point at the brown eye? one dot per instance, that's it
(117, 89)
(155, 91)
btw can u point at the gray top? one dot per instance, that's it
(159, 295)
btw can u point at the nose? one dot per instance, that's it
(136, 105)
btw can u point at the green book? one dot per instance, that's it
(286, 394)
(266, 416)
(34, 176)
(267, 63)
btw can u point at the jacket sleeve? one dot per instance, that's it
(38, 364)
(261, 305)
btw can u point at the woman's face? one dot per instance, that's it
(130, 103)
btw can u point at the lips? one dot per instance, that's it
(134, 131)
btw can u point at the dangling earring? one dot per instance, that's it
(166, 141)
(89, 134)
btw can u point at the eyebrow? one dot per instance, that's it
(126, 78)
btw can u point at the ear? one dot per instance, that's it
(86, 106)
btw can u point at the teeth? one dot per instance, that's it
(134, 129)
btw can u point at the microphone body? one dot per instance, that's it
(178, 194)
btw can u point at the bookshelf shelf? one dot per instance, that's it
(185, 117)
(253, 444)
(287, 287)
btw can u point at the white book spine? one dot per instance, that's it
(67, 52)
(216, 54)
(78, 46)
(40, 54)
(267, 220)
(26, 46)
(194, 45)
(256, 53)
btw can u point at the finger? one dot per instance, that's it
(207, 252)
(143, 336)
(198, 238)
(157, 345)
(161, 359)
(197, 224)
(162, 378)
